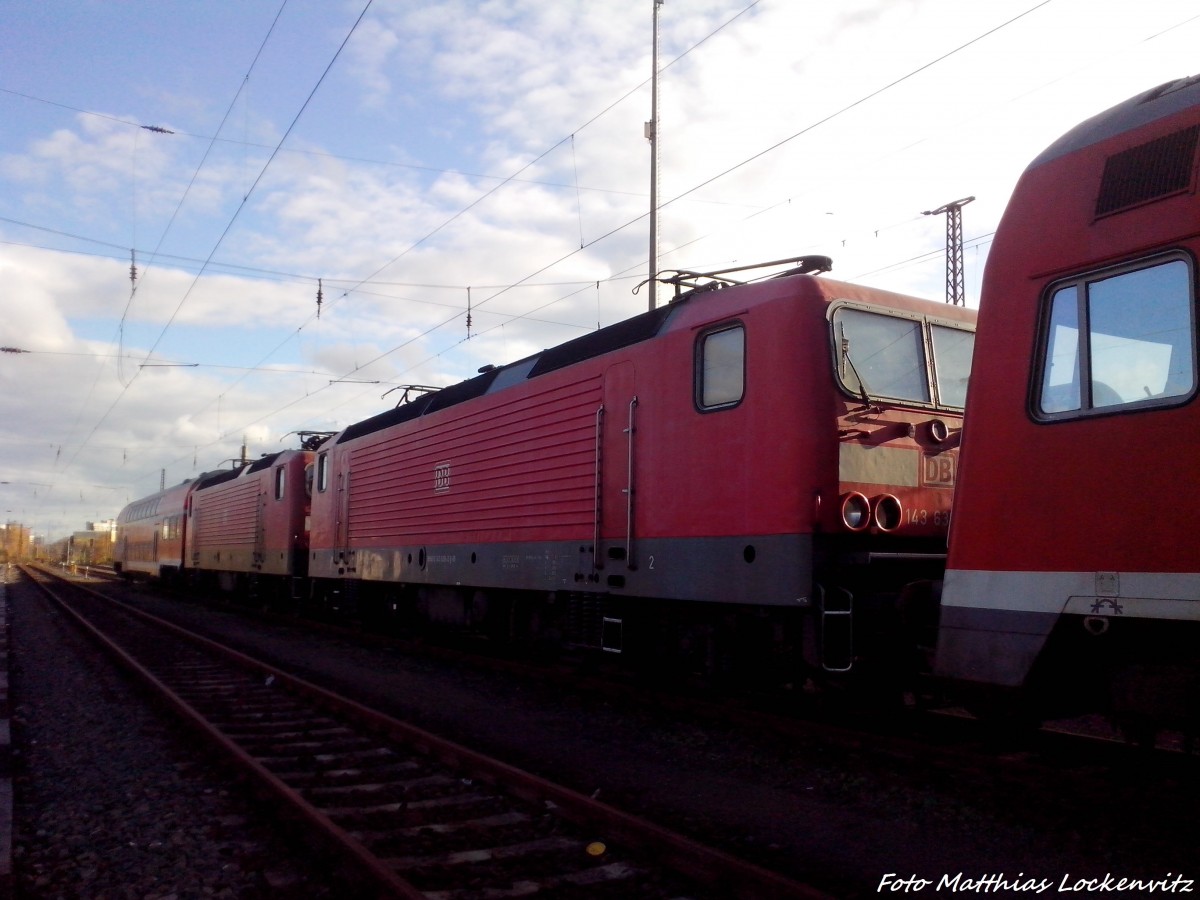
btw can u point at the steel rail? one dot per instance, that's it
(359, 854)
(698, 863)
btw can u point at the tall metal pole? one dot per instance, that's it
(652, 135)
(955, 280)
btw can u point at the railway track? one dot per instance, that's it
(934, 732)
(416, 815)
(1063, 754)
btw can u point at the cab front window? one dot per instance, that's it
(952, 352)
(904, 358)
(881, 356)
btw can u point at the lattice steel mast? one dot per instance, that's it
(955, 283)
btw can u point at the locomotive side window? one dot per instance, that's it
(280, 481)
(322, 472)
(721, 368)
(1117, 339)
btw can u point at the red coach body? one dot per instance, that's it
(150, 534)
(1070, 570)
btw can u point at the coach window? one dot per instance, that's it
(322, 472)
(721, 368)
(280, 481)
(1118, 339)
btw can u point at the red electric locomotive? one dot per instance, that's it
(245, 526)
(701, 480)
(1072, 582)
(249, 526)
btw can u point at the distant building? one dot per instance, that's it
(93, 546)
(14, 542)
(108, 525)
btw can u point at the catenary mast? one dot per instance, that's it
(652, 136)
(955, 282)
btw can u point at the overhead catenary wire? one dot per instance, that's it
(463, 211)
(162, 237)
(503, 291)
(808, 128)
(234, 217)
(278, 275)
(507, 288)
(342, 157)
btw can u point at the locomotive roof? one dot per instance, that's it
(1160, 102)
(263, 462)
(612, 337)
(604, 340)
(219, 476)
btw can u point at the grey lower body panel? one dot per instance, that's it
(769, 570)
(991, 646)
(245, 561)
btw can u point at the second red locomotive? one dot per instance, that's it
(245, 528)
(251, 525)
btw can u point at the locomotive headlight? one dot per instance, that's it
(888, 513)
(856, 511)
(938, 431)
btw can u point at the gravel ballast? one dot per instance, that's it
(113, 799)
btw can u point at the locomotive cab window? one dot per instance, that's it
(881, 356)
(280, 481)
(322, 472)
(904, 358)
(1115, 339)
(721, 368)
(952, 352)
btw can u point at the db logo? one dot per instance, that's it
(938, 471)
(441, 478)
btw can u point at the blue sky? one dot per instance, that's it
(432, 152)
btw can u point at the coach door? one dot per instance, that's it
(616, 488)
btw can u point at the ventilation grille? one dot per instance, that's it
(1149, 171)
